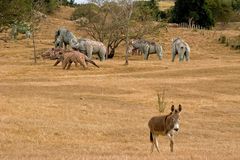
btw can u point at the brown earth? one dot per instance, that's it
(50, 113)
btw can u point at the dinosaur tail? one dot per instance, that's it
(90, 61)
(151, 137)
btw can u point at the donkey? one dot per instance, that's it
(166, 125)
(146, 47)
(181, 48)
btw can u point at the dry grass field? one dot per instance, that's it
(164, 5)
(102, 113)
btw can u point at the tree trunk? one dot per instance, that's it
(34, 47)
(111, 54)
(127, 33)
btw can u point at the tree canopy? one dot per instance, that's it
(197, 10)
(204, 12)
(12, 11)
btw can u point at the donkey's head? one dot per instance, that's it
(172, 120)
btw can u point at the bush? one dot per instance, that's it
(221, 10)
(233, 42)
(50, 5)
(146, 11)
(161, 102)
(236, 5)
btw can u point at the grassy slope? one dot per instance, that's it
(48, 113)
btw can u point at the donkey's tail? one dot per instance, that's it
(151, 137)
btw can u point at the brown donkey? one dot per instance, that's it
(166, 125)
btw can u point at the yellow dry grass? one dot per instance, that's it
(50, 113)
(164, 5)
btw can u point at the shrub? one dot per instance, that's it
(161, 102)
(146, 11)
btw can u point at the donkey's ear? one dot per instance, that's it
(172, 108)
(179, 107)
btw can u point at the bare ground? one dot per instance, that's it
(49, 113)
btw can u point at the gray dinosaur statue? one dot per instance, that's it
(86, 46)
(90, 47)
(146, 47)
(64, 36)
(20, 27)
(181, 48)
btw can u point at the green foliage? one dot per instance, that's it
(21, 10)
(197, 10)
(13, 10)
(221, 10)
(68, 2)
(50, 5)
(166, 15)
(236, 5)
(146, 11)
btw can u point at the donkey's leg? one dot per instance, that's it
(170, 136)
(152, 141)
(155, 142)
(152, 147)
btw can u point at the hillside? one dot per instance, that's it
(50, 113)
(166, 4)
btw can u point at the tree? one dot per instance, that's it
(13, 11)
(109, 22)
(24, 11)
(146, 10)
(197, 10)
(221, 10)
(50, 5)
(34, 20)
(236, 5)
